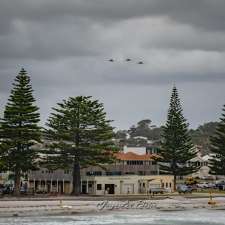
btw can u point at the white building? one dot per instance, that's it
(203, 163)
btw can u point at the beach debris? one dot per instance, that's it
(211, 201)
(64, 206)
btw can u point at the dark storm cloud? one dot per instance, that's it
(56, 29)
(203, 13)
(65, 47)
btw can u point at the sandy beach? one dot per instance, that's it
(69, 206)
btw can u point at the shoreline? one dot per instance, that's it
(130, 197)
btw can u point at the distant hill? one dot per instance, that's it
(144, 133)
(201, 136)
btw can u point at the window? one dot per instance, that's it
(94, 173)
(66, 172)
(130, 173)
(135, 162)
(113, 173)
(99, 187)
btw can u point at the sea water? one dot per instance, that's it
(126, 217)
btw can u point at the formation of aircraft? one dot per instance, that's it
(127, 60)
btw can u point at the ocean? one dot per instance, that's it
(126, 217)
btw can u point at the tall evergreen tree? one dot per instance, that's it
(19, 129)
(217, 163)
(177, 148)
(81, 136)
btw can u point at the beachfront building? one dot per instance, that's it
(203, 162)
(125, 185)
(61, 182)
(129, 166)
(127, 163)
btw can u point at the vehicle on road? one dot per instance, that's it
(202, 185)
(220, 185)
(5, 190)
(182, 188)
(156, 190)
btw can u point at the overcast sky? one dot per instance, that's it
(65, 47)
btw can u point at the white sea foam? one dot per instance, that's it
(127, 217)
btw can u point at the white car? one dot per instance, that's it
(202, 185)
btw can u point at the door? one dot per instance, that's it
(110, 188)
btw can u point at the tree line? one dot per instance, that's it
(144, 133)
(79, 134)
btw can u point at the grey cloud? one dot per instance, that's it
(56, 29)
(65, 47)
(203, 13)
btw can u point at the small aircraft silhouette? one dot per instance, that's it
(140, 62)
(111, 60)
(128, 60)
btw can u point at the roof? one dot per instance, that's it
(133, 156)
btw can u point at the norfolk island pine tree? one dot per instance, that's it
(19, 130)
(80, 136)
(176, 147)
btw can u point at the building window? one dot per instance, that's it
(99, 187)
(66, 172)
(130, 173)
(135, 162)
(94, 173)
(113, 173)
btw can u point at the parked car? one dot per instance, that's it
(203, 185)
(184, 189)
(220, 185)
(1, 189)
(23, 190)
(156, 190)
(211, 185)
(7, 190)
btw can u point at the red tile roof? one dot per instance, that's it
(132, 156)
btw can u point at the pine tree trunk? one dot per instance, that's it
(174, 182)
(17, 183)
(76, 179)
